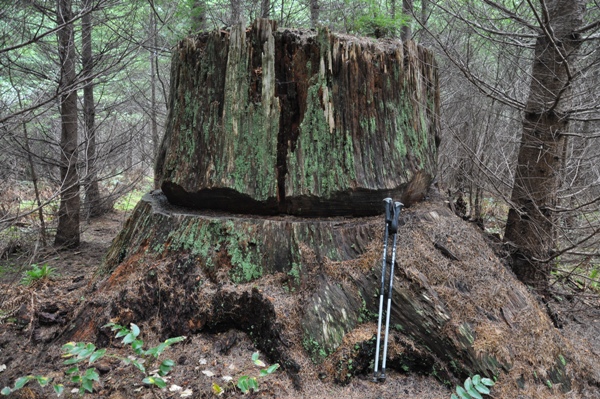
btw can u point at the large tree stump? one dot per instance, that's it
(299, 123)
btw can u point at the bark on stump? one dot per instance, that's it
(299, 123)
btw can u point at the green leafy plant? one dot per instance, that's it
(75, 352)
(130, 336)
(595, 281)
(37, 274)
(247, 383)
(78, 352)
(22, 381)
(374, 21)
(473, 388)
(316, 351)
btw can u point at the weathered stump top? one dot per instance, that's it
(274, 121)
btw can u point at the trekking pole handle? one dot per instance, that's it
(389, 210)
(395, 216)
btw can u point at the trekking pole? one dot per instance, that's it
(393, 229)
(388, 221)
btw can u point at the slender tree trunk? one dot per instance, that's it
(198, 16)
(265, 8)
(34, 178)
(424, 11)
(407, 9)
(282, 7)
(36, 189)
(236, 11)
(314, 13)
(531, 221)
(129, 157)
(92, 192)
(153, 78)
(67, 232)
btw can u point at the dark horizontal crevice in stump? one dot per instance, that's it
(356, 203)
(220, 199)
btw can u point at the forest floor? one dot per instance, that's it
(31, 345)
